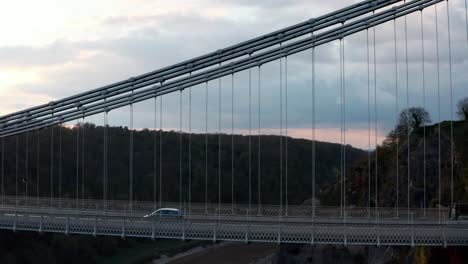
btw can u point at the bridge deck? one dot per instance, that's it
(355, 228)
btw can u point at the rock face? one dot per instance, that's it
(417, 175)
(429, 157)
(326, 254)
(423, 161)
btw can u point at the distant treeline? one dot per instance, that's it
(77, 155)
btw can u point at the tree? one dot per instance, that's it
(463, 108)
(412, 118)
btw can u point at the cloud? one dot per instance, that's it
(13, 100)
(113, 45)
(25, 56)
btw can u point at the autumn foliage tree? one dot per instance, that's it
(462, 107)
(409, 120)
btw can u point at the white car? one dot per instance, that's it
(166, 213)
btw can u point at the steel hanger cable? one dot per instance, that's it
(60, 167)
(38, 175)
(104, 191)
(77, 163)
(397, 134)
(160, 150)
(281, 137)
(259, 201)
(26, 175)
(439, 116)
(206, 147)
(130, 186)
(466, 20)
(232, 143)
(83, 171)
(408, 132)
(190, 153)
(250, 142)
(16, 168)
(286, 196)
(51, 165)
(3, 168)
(375, 119)
(180, 150)
(341, 127)
(219, 147)
(424, 106)
(155, 151)
(344, 128)
(369, 159)
(313, 134)
(451, 106)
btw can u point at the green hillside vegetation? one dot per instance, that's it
(299, 165)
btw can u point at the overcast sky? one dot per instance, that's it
(52, 49)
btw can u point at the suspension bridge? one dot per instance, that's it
(25, 207)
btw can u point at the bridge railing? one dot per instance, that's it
(295, 211)
(210, 228)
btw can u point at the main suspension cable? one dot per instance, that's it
(451, 107)
(397, 134)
